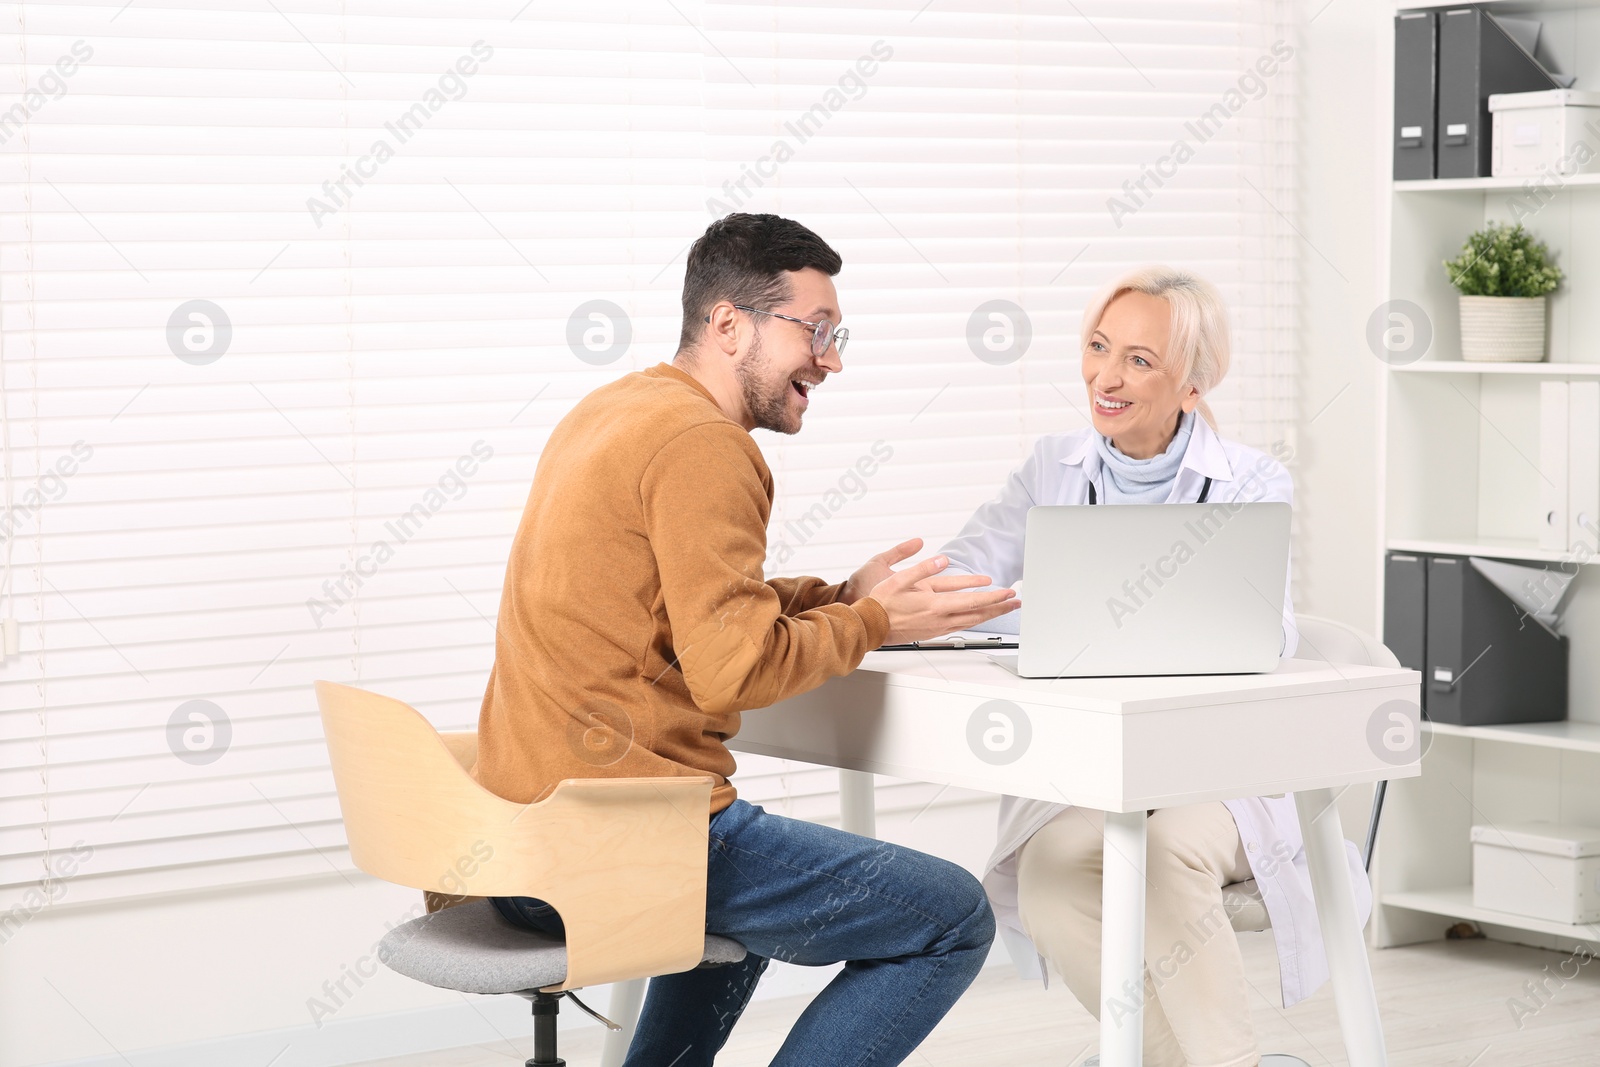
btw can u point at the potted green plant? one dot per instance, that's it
(1503, 275)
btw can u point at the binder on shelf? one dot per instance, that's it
(1489, 659)
(1583, 464)
(1553, 452)
(1405, 611)
(1476, 58)
(1416, 57)
(1416, 75)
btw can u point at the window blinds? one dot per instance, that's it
(291, 295)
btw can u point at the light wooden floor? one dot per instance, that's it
(1445, 1004)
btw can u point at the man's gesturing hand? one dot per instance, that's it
(876, 569)
(921, 605)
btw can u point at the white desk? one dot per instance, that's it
(1121, 745)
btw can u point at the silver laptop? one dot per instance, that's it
(1152, 589)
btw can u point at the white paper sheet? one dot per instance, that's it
(1540, 592)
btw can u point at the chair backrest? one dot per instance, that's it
(622, 860)
(464, 747)
(1335, 642)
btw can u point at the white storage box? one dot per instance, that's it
(1553, 131)
(1542, 870)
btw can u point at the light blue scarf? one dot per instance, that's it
(1143, 481)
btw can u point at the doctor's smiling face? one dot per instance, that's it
(1137, 389)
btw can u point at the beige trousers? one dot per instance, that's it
(1196, 1013)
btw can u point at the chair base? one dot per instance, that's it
(545, 1008)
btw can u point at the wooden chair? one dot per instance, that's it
(622, 861)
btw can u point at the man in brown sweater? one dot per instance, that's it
(636, 624)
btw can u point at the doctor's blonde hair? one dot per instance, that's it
(1199, 337)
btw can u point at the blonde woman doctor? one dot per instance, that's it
(1154, 342)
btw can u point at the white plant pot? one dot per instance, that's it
(1502, 328)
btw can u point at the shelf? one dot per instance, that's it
(1490, 548)
(1567, 735)
(1489, 185)
(1456, 903)
(1461, 366)
(1504, 7)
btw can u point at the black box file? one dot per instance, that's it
(1416, 62)
(1476, 59)
(1405, 611)
(1488, 661)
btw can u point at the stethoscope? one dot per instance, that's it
(1205, 491)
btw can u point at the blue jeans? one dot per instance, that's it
(911, 930)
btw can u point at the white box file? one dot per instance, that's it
(1550, 132)
(1542, 870)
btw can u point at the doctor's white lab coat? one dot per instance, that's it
(1060, 471)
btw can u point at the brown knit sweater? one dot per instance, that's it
(635, 624)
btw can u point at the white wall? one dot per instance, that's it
(1344, 175)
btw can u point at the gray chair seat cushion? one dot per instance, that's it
(1246, 911)
(472, 948)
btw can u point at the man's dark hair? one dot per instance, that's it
(745, 259)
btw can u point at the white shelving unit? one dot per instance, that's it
(1484, 184)
(1498, 547)
(1509, 7)
(1538, 370)
(1458, 466)
(1569, 735)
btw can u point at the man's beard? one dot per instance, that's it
(766, 399)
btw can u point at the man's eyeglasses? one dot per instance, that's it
(824, 333)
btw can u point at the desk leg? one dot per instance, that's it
(1348, 966)
(1122, 941)
(626, 1000)
(858, 807)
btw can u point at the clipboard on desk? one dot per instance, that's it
(967, 639)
